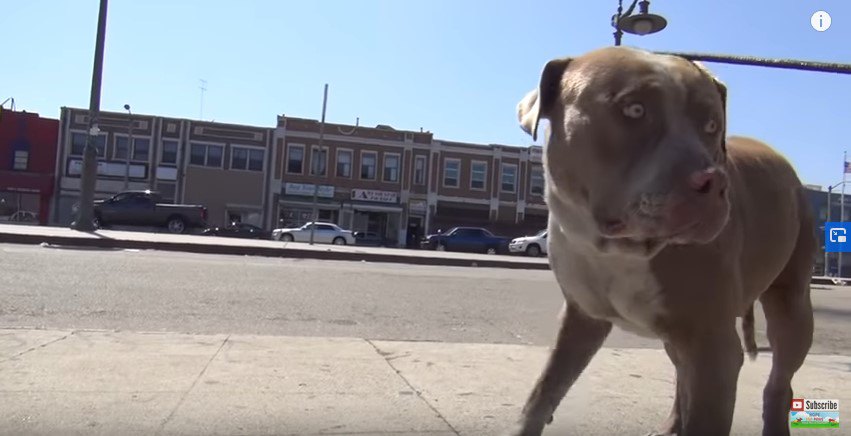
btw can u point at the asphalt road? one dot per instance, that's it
(156, 291)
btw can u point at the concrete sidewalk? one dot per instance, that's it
(109, 383)
(21, 234)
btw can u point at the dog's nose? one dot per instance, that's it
(704, 181)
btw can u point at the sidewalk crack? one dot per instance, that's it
(413, 389)
(192, 386)
(53, 341)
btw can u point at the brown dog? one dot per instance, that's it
(662, 226)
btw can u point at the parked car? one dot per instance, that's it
(469, 239)
(238, 230)
(534, 245)
(324, 233)
(146, 209)
(372, 239)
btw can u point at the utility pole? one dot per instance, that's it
(88, 177)
(129, 147)
(315, 169)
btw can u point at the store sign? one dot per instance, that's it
(376, 196)
(417, 207)
(306, 189)
(109, 169)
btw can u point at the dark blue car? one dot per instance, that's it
(468, 239)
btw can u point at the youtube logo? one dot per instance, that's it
(797, 405)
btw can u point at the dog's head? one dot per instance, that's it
(636, 145)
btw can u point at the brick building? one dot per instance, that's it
(225, 167)
(27, 160)
(394, 183)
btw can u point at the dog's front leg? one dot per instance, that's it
(708, 368)
(579, 339)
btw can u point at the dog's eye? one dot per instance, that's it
(710, 127)
(634, 110)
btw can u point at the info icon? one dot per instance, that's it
(820, 21)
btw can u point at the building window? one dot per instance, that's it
(167, 191)
(536, 183)
(419, 170)
(367, 165)
(206, 155)
(141, 149)
(478, 175)
(119, 149)
(509, 177)
(319, 161)
(295, 159)
(22, 160)
(391, 168)
(344, 163)
(169, 152)
(78, 144)
(451, 172)
(246, 159)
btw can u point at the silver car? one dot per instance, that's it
(324, 233)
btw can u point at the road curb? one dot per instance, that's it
(280, 252)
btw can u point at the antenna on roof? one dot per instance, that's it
(203, 87)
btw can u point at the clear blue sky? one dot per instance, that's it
(455, 67)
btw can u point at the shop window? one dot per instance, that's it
(21, 161)
(478, 175)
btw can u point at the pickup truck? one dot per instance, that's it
(469, 239)
(145, 208)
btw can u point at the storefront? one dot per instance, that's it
(450, 215)
(417, 222)
(295, 206)
(24, 205)
(376, 212)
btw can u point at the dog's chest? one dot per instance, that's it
(622, 290)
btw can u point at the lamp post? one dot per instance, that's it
(88, 177)
(129, 147)
(644, 23)
(315, 166)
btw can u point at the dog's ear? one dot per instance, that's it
(722, 92)
(539, 103)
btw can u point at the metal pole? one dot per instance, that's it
(842, 208)
(826, 254)
(315, 169)
(88, 178)
(788, 64)
(129, 148)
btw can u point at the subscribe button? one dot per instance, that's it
(837, 237)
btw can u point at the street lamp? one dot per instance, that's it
(315, 166)
(644, 23)
(129, 147)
